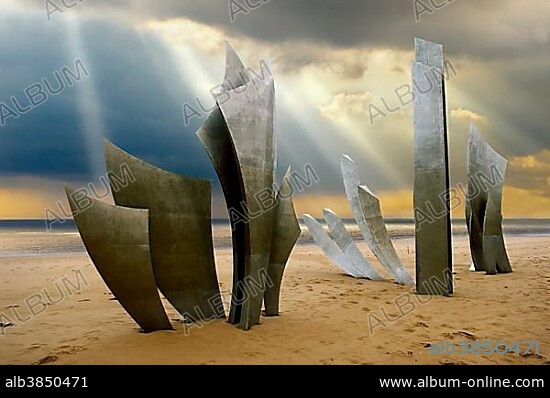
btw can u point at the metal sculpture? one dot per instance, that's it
(486, 171)
(117, 240)
(370, 206)
(433, 235)
(365, 208)
(173, 226)
(239, 138)
(180, 232)
(475, 204)
(345, 242)
(285, 234)
(330, 248)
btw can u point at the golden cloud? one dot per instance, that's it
(531, 172)
(346, 105)
(467, 114)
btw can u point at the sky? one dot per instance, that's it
(341, 70)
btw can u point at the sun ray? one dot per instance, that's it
(88, 102)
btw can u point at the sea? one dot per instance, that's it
(22, 238)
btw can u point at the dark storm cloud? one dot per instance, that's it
(485, 28)
(508, 41)
(138, 113)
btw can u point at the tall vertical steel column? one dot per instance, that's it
(431, 182)
(239, 138)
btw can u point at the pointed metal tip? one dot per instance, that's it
(475, 136)
(109, 145)
(366, 190)
(308, 219)
(69, 190)
(349, 167)
(418, 41)
(229, 47)
(347, 163)
(474, 131)
(111, 149)
(286, 177)
(285, 187)
(346, 157)
(235, 71)
(328, 212)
